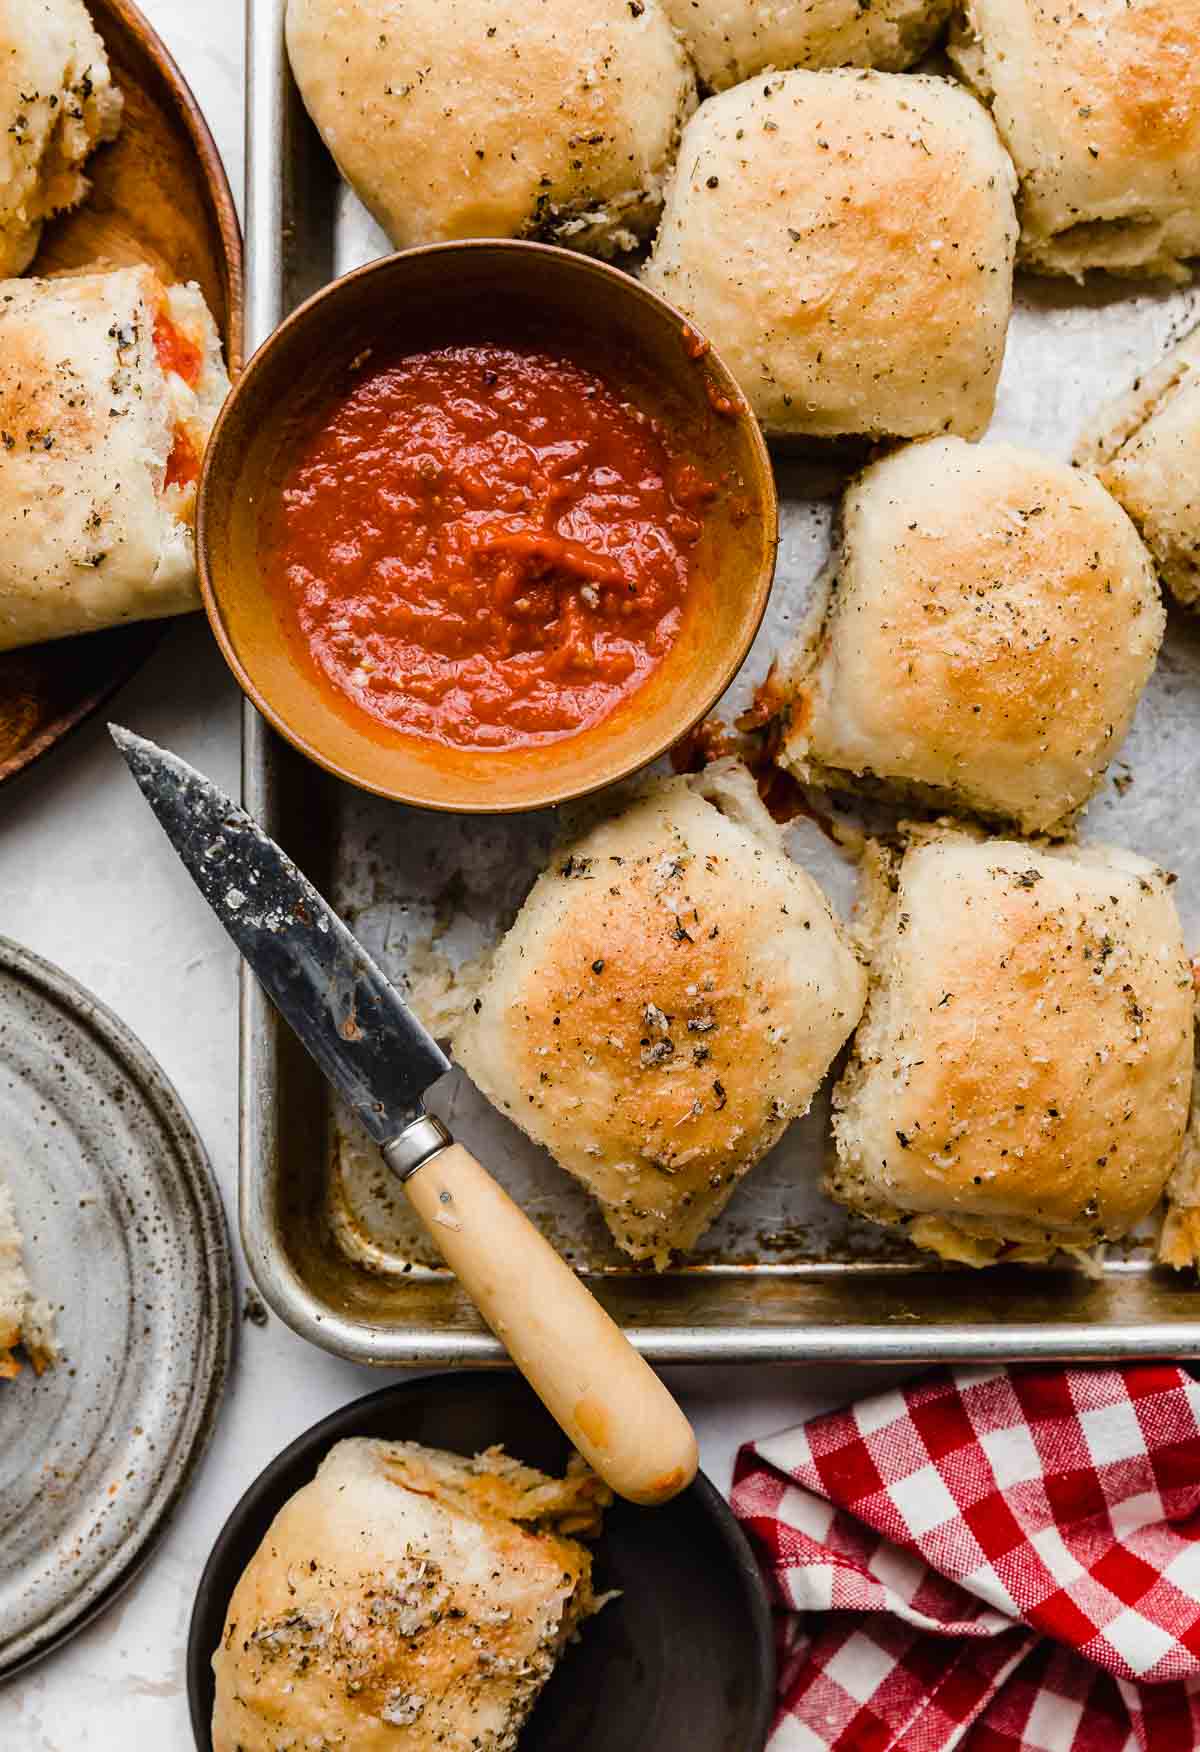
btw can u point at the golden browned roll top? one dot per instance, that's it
(92, 532)
(731, 40)
(846, 241)
(989, 621)
(407, 1599)
(670, 997)
(1098, 101)
(1020, 1081)
(485, 118)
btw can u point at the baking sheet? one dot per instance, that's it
(784, 1272)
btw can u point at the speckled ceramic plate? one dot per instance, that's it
(125, 1237)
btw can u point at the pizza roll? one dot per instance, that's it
(1146, 450)
(732, 40)
(24, 1320)
(1098, 102)
(109, 384)
(671, 995)
(846, 241)
(57, 102)
(990, 620)
(1179, 1241)
(405, 1589)
(1020, 1081)
(486, 118)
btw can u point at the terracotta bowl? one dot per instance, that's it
(413, 301)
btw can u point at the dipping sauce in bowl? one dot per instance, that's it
(483, 526)
(486, 544)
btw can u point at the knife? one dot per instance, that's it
(380, 1059)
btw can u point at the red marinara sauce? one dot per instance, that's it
(177, 352)
(486, 545)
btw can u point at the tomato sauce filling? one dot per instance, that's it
(176, 352)
(485, 545)
(183, 464)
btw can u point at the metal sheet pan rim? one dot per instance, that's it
(269, 230)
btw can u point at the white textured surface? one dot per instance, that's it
(87, 879)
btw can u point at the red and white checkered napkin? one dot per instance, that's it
(996, 1560)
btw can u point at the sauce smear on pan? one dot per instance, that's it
(486, 545)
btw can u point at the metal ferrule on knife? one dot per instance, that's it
(420, 1140)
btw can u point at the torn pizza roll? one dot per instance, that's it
(1098, 101)
(846, 241)
(1146, 450)
(109, 385)
(671, 995)
(57, 103)
(25, 1321)
(1020, 1081)
(988, 622)
(406, 1588)
(732, 40)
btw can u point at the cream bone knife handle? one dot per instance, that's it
(606, 1397)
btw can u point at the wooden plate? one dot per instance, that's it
(159, 195)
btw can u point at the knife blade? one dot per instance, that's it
(343, 1008)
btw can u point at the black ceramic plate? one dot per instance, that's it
(682, 1662)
